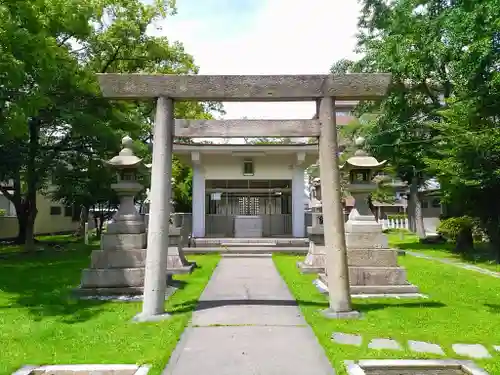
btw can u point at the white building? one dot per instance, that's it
(242, 190)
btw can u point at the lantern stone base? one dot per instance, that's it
(137, 259)
(373, 266)
(119, 292)
(114, 277)
(315, 258)
(130, 227)
(366, 240)
(388, 289)
(119, 267)
(121, 241)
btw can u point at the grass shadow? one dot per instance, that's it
(494, 308)
(194, 305)
(191, 306)
(366, 307)
(41, 283)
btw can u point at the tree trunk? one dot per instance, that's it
(29, 244)
(97, 226)
(101, 223)
(371, 206)
(21, 225)
(493, 232)
(31, 183)
(16, 199)
(26, 215)
(411, 215)
(465, 242)
(84, 218)
(417, 207)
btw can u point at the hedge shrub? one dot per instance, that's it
(452, 227)
(462, 231)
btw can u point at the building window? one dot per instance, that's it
(343, 113)
(55, 210)
(248, 168)
(436, 203)
(68, 211)
(75, 213)
(424, 204)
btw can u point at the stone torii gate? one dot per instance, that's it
(324, 89)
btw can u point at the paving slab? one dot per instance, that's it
(347, 339)
(382, 344)
(247, 291)
(248, 323)
(425, 347)
(471, 350)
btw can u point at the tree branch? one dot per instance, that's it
(6, 193)
(64, 40)
(112, 59)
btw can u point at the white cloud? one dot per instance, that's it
(282, 37)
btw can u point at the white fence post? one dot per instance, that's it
(394, 223)
(86, 233)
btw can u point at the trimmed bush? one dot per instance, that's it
(450, 228)
(458, 230)
(3, 212)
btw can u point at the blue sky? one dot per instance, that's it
(265, 37)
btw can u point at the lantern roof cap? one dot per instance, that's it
(126, 157)
(361, 158)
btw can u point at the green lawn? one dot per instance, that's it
(41, 324)
(463, 307)
(46, 243)
(408, 241)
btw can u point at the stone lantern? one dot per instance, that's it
(373, 266)
(127, 219)
(118, 268)
(361, 169)
(315, 202)
(315, 258)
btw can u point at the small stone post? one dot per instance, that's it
(315, 258)
(333, 220)
(155, 282)
(86, 233)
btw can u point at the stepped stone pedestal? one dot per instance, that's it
(118, 268)
(373, 266)
(315, 258)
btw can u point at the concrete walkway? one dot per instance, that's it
(248, 323)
